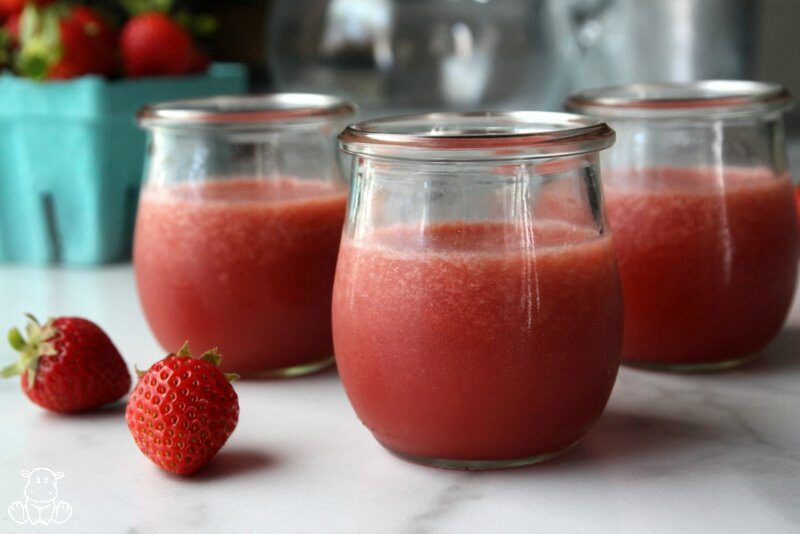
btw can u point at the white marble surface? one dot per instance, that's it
(710, 453)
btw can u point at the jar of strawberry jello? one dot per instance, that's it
(701, 204)
(238, 228)
(477, 308)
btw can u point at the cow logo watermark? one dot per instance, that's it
(41, 505)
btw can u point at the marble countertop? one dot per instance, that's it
(672, 453)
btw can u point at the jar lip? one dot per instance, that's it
(245, 110)
(476, 135)
(691, 99)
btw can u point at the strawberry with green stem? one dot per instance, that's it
(68, 364)
(157, 42)
(183, 410)
(153, 44)
(61, 42)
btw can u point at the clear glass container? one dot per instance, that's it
(701, 203)
(477, 311)
(238, 228)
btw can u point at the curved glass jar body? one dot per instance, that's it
(238, 228)
(700, 200)
(477, 312)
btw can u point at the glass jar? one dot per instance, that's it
(239, 225)
(700, 200)
(477, 310)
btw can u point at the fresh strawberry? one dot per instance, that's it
(68, 364)
(87, 46)
(57, 44)
(153, 44)
(182, 411)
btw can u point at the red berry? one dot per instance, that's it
(66, 43)
(87, 45)
(153, 44)
(68, 365)
(182, 411)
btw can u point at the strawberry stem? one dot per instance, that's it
(37, 346)
(10, 370)
(212, 356)
(137, 7)
(184, 351)
(40, 41)
(16, 340)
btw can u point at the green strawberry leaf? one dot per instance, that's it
(40, 41)
(212, 356)
(16, 340)
(204, 25)
(184, 351)
(28, 22)
(137, 7)
(37, 346)
(10, 370)
(199, 25)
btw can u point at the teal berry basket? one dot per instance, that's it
(71, 161)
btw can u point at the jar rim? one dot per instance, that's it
(245, 110)
(476, 135)
(699, 99)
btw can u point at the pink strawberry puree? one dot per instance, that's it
(708, 262)
(465, 349)
(244, 265)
